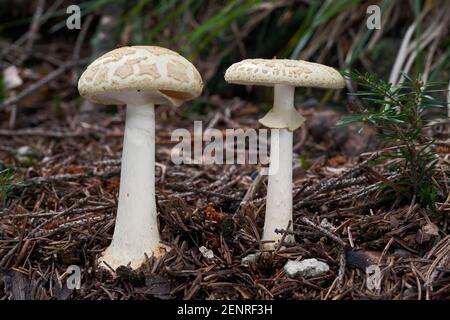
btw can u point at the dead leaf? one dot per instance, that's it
(71, 169)
(17, 285)
(337, 161)
(212, 215)
(62, 293)
(362, 259)
(158, 286)
(136, 278)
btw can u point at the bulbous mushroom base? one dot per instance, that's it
(115, 258)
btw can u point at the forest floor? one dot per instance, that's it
(60, 166)
(59, 206)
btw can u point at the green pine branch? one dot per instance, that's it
(400, 115)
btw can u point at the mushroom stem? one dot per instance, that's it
(279, 189)
(136, 229)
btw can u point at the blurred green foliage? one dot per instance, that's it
(216, 34)
(6, 180)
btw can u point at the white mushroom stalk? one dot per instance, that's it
(279, 188)
(283, 119)
(140, 77)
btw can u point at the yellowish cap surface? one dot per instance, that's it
(297, 73)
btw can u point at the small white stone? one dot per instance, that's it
(24, 151)
(430, 229)
(12, 78)
(207, 253)
(307, 268)
(327, 225)
(250, 259)
(24, 154)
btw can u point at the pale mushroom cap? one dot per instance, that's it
(297, 73)
(147, 72)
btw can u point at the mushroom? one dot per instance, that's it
(284, 75)
(140, 77)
